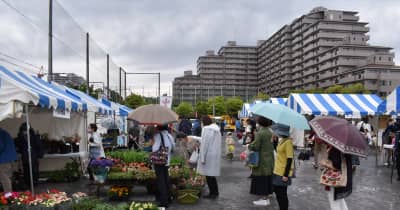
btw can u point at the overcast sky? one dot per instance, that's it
(164, 36)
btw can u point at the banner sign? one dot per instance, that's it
(63, 114)
(166, 101)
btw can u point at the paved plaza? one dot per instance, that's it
(372, 189)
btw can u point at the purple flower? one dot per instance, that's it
(101, 163)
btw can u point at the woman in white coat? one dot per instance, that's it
(209, 163)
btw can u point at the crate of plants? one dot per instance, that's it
(119, 193)
(189, 189)
(129, 156)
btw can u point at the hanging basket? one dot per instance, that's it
(188, 196)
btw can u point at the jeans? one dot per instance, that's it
(281, 196)
(212, 185)
(163, 185)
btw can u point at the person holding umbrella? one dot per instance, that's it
(342, 147)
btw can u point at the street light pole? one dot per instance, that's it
(50, 52)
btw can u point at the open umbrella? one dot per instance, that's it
(281, 114)
(153, 114)
(340, 134)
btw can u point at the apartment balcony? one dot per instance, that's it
(343, 27)
(309, 47)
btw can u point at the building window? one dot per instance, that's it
(383, 82)
(390, 58)
(379, 58)
(390, 83)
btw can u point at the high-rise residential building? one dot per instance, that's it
(68, 79)
(317, 50)
(321, 49)
(230, 72)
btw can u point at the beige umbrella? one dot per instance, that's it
(153, 114)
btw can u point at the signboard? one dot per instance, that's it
(63, 114)
(166, 101)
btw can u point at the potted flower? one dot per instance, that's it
(142, 206)
(100, 169)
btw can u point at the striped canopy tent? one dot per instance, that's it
(281, 101)
(119, 109)
(245, 112)
(350, 105)
(93, 104)
(391, 105)
(17, 86)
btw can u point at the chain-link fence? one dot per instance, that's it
(24, 46)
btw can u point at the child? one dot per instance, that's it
(230, 146)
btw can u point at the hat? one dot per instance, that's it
(280, 129)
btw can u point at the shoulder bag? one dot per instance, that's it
(333, 177)
(160, 157)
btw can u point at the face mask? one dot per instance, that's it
(257, 126)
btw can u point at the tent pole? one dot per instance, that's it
(28, 127)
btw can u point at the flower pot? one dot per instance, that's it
(188, 196)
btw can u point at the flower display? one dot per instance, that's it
(97, 163)
(48, 199)
(118, 192)
(143, 206)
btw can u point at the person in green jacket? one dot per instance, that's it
(261, 177)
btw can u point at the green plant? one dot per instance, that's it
(177, 161)
(128, 156)
(120, 175)
(86, 204)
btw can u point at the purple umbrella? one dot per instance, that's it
(340, 134)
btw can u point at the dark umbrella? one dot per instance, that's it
(340, 134)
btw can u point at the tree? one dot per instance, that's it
(261, 96)
(355, 88)
(134, 101)
(334, 89)
(201, 108)
(184, 109)
(219, 104)
(233, 105)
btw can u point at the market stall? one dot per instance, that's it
(118, 121)
(351, 105)
(20, 89)
(281, 101)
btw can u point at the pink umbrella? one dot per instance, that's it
(340, 134)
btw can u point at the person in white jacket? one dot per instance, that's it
(209, 163)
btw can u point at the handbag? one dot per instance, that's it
(160, 157)
(253, 159)
(277, 181)
(333, 177)
(194, 157)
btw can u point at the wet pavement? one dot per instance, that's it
(372, 188)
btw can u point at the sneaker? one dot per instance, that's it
(262, 202)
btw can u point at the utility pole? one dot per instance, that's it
(50, 50)
(87, 63)
(159, 87)
(108, 76)
(125, 84)
(120, 81)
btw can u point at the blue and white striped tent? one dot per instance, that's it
(355, 105)
(281, 101)
(93, 104)
(392, 103)
(119, 109)
(21, 87)
(245, 112)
